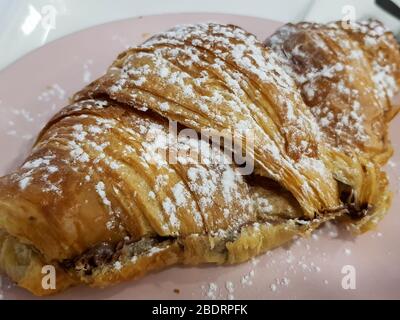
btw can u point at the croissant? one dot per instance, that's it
(348, 76)
(100, 199)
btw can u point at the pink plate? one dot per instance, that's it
(39, 84)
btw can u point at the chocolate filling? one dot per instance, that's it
(352, 209)
(106, 252)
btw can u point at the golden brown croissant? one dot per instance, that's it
(220, 78)
(100, 199)
(348, 75)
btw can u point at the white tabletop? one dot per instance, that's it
(28, 24)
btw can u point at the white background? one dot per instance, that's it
(21, 29)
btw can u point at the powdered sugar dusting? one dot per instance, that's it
(203, 74)
(100, 189)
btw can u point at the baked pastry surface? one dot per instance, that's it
(348, 76)
(100, 199)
